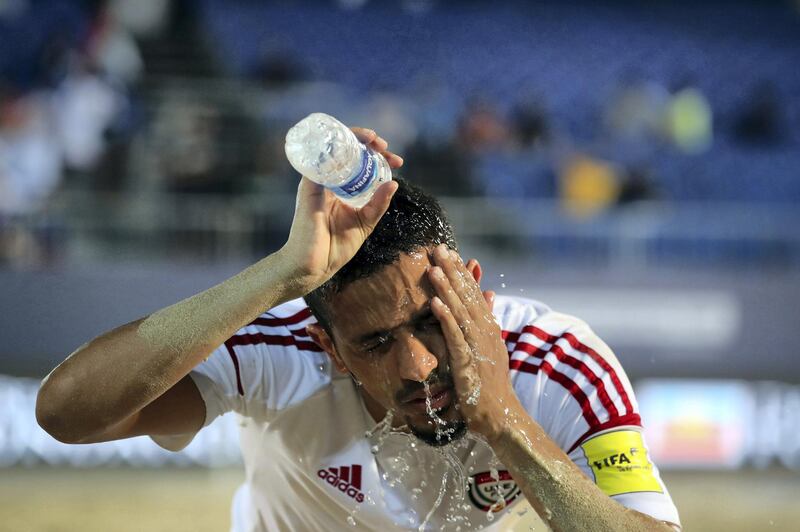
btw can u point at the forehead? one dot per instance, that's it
(385, 299)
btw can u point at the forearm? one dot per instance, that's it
(121, 371)
(559, 491)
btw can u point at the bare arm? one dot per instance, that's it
(557, 489)
(134, 380)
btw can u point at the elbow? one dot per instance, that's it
(51, 414)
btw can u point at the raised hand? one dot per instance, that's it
(326, 233)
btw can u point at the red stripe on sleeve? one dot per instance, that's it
(235, 360)
(590, 375)
(585, 349)
(299, 332)
(577, 364)
(273, 339)
(570, 385)
(277, 322)
(575, 343)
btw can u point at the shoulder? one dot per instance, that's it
(562, 370)
(283, 326)
(274, 354)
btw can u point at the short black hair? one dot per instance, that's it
(414, 220)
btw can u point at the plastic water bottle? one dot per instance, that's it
(327, 152)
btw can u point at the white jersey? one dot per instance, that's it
(311, 465)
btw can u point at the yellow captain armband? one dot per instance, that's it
(619, 463)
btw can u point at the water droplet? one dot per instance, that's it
(502, 285)
(474, 395)
(351, 521)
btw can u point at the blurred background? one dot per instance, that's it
(633, 163)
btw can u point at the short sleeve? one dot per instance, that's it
(572, 384)
(267, 366)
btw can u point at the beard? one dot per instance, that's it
(443, 434)
(435, 433)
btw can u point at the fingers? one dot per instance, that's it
(376, 207)
(378, 144)
(465, 289)
(394, 160)
(457, 346)
(449, 297)
(364, 135)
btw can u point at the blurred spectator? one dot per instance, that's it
(482, 129)
(185, 136)
(85, 108)
(30, 170)
(588, 186)
(113, 50)
(637, 110)
(689, 122)
(393, 116)
(530, 124)
(143, 18)
(760, 121)
(30, 159)
(204, 146)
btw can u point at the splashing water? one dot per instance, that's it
(474, 395)
(440, 423)
(448, 452)
(431, 413)
(436, 503)
(381, 431)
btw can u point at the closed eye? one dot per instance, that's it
(377, 345)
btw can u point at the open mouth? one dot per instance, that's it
(438, 401)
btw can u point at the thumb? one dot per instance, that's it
(376, 207)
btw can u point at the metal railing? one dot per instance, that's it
(81, 225)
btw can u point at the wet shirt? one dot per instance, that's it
(316, 460)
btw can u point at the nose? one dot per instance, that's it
(415, 362)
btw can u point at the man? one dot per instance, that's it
(401, 397)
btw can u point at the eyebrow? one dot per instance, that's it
(421, 315)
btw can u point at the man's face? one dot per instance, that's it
(386, 336)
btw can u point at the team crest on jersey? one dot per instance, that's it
(492, 492)
(346, 479)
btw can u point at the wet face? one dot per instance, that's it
(386, 336)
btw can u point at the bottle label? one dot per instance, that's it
(362, 178)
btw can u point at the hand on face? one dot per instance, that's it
(478, 356)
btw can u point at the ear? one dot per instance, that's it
(322, 339)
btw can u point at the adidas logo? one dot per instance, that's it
(346, 479)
